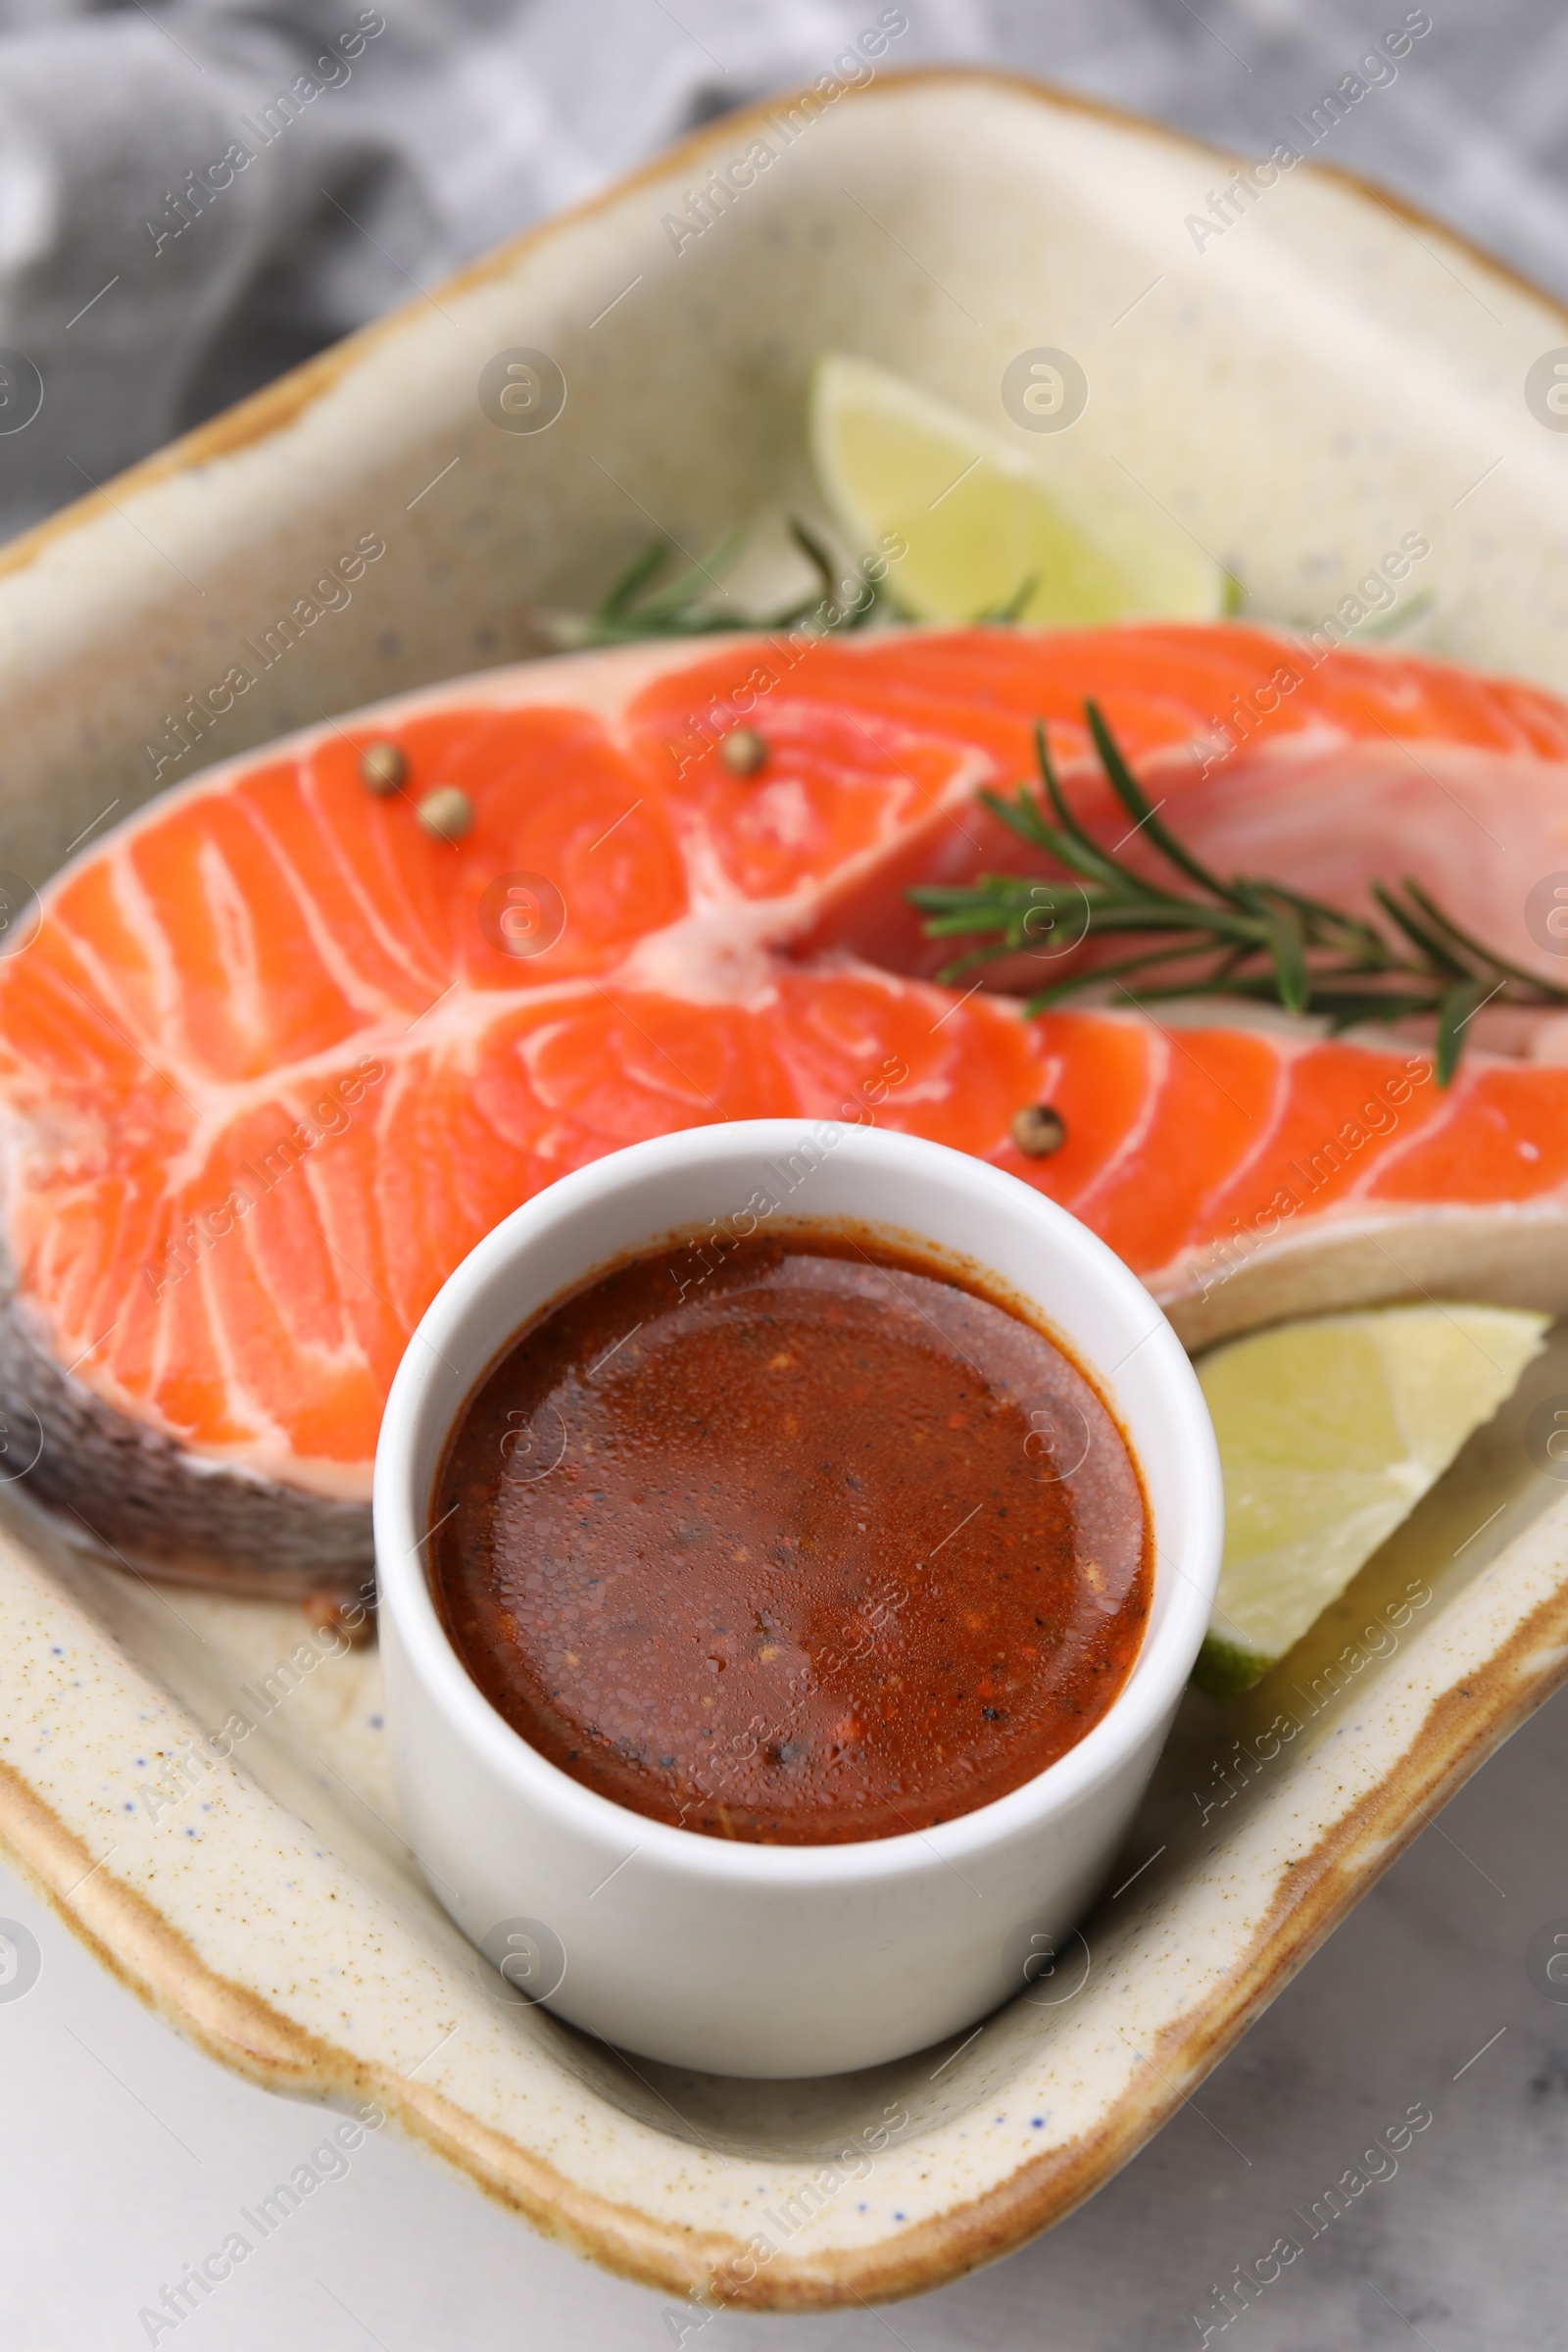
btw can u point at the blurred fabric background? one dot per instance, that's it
(461, 121)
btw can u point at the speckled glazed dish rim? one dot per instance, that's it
(1293, 1857)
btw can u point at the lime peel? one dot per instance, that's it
(990, 529)
(1330, 1431)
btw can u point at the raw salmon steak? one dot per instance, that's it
(278, 1055)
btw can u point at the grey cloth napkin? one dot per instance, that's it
(193, 197)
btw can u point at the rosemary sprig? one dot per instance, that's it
(1246, 936)
(693, 602)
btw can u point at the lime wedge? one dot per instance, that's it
(991, 530)
(1330, 1431)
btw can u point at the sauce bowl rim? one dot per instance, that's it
(1179, 1613)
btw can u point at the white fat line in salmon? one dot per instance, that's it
(183, 207)
(209, 1226)
(1240, 1767)
(1375, 71)
(725, 712)
(1245, 2284)
(1376, 591)
(727, 182)
(1379, 1115)
(854, 2162)
(330, 592)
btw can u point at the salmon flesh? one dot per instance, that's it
(279, 1054)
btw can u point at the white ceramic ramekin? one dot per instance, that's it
(778, 1960)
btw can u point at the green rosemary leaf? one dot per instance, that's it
(629, 613)
(1453, 1012)
(1137, 803)
(1244, 931)
(973, 960)
(1437, 953)
(1287, 948)
(1349, 1008)
(702, 577)
(999, 903)
(815, 553)
(859, 615)
(1073, 984)
(1013, 607)
(852, 616)
(1086, 855)
(1487, 956)
(954, 909)
(635, 607)
(1070, 846)
(1021, 816)
(1324, 925)
(1109, 867)
(1394, 623)
(641, 570)
(1250, 938)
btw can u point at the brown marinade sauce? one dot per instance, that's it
(810, 1546)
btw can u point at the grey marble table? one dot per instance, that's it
(124, 2154)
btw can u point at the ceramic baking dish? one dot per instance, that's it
(1327, 374)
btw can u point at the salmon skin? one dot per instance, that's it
(279, 1056)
